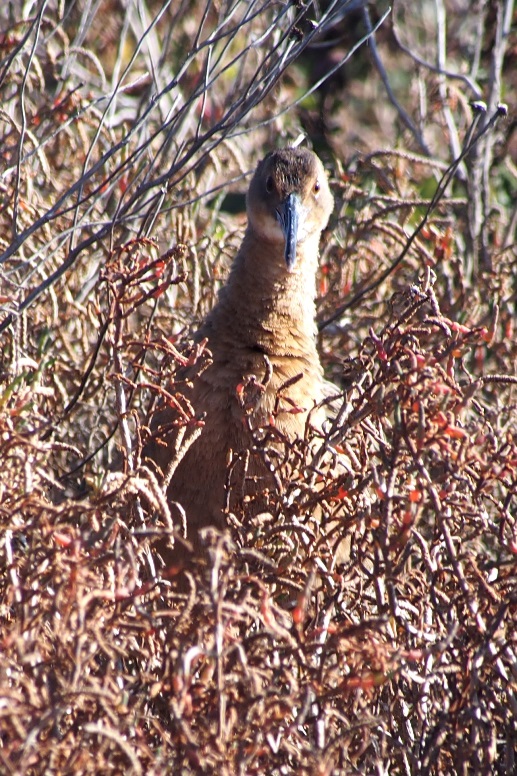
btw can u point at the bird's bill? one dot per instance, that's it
(288, 216)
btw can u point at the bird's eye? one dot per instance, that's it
(317, 187)
(269, 184)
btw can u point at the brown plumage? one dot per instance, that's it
(261, 334)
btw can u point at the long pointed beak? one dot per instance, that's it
(288, 216)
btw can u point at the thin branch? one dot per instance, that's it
(437, 197)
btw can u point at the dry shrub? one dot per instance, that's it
(273, 657)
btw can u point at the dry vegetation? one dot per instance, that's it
(126, 130)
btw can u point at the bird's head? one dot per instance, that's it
(289, 200)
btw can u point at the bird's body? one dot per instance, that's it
(264, 369)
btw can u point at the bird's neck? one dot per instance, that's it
(267, 301)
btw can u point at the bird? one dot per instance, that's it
(263, 369)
